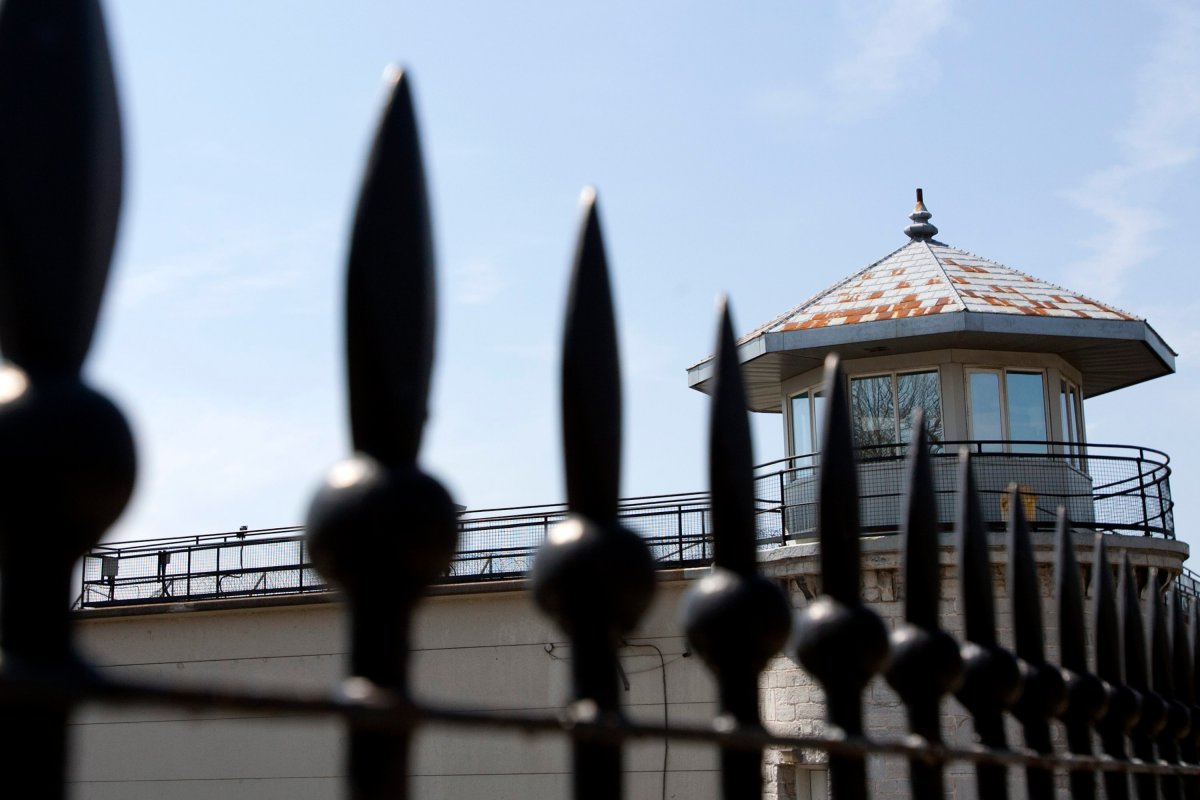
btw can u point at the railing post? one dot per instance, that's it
(679, 529)
(1142, 491)
(783, 531)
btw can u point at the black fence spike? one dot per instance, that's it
(974, 560)
(591, 385)
(1087, 699)
(1162, 669)
(1024, 589)
(926, 664)
(592, 575)
(734, 618)
(1043, 694)
(1184, 690)
(1190, 747)
(1124, 704)
(922, 569)
(992, 677)
(838, 639)
(67, 461)
(390, 292)
(1137, 677)
(378, 525)
(841, 574)
(730, 462)
(60, 155)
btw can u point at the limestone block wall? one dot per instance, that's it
(793, 703)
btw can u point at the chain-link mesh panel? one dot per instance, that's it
(1103, 488)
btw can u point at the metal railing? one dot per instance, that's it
(1108, 488)
(384, 530)
(1124, 490)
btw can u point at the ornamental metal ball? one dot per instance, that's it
(1087, 696)
(67, 465)
(590, 574)
(730, 617)
(840, 643)
(373, 525)
(993, 678)
(1124, 708)
(924, 663)
(1044, 694)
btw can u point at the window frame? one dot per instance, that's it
(813, 394)
(898, 425)
(1002, 373)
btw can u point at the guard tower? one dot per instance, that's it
(999, 361)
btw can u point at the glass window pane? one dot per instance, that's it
(1064, 412)
(818, 411)
(1026, 410)
(920, 390)
(872, 411)
(985, 422)
(1066, 409)
(1076, 405)
(802, 427)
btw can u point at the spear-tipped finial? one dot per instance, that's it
(921, 227)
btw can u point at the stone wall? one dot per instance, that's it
(793, 703)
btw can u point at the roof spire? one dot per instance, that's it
(921, 228)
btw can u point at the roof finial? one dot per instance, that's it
(921, 228)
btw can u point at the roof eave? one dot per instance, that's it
(772, 357)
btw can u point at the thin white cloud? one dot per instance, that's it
(887, 44)
(1161, 137)
(476, 283)
(888, 52)
(206, 286)
(226, 278)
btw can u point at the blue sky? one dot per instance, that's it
(763, 151)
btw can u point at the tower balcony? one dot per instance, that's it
(1107, 488)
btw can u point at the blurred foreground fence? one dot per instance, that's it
(383, 530)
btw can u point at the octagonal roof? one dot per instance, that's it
(928, 295)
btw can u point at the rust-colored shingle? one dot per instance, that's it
(950, 280)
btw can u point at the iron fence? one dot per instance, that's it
(383, 530)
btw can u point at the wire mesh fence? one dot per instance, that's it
(1104, 488)
(1107, 488)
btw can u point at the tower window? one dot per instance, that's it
(882, 408)
(1008, 406)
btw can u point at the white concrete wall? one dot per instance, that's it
(475, 650)
(491, 649)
